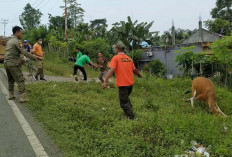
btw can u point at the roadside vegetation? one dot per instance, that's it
(85, 120)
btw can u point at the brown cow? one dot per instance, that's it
(203, 89)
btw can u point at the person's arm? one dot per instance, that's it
(137, 73)
(93, 64)
(28, 55)
(98, 64)
(108, 76)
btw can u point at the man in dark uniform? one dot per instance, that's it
(102, 64)
(13, 62)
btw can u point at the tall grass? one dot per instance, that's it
(85, 120)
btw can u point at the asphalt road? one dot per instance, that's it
(13, 141)
(15, 137)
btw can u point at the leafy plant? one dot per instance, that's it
(157, 68)
(185, 59)
(136, 55)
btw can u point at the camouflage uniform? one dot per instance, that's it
(13, 62)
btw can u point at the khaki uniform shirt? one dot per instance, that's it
(14, 47)
(103, 62)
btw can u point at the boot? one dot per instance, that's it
(11, 96)
(23, 98)
(75, 76)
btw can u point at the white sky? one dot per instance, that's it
(185, 13)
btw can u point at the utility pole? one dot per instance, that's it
(4, 22)
(66, 22)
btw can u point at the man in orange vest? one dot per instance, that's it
(37, 50)
(123, 67)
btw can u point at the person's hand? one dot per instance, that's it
(104, 84)
(140, 76)
(100, 66)
(40, 58)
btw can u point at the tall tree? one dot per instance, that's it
(30, 17)
(75, 12)
(222, 10)
(222, 18)
(56, 22)
(99, 27)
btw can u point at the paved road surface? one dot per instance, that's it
(20, 134)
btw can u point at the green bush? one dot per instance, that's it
(94, 47)
(157, 68)
(136, 55)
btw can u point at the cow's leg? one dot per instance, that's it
(193, 97)
(194, 93)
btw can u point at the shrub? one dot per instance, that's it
(157, 68)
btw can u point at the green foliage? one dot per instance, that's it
(57, 46)
(222, 10)
(134, 33)
(34, 33)
(99, 28)
(223, 56)
(223, 50)
(184, 60)
(219, 26)
(157, 68)
(180, 34)
(221, 14)
(94, 47)
(75, 12)
(136, 55)
(58, 22)
(85, 120)
(30, 18)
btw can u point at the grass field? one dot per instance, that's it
(85, 120)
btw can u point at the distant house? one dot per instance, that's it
(202, 36)
(201, 39)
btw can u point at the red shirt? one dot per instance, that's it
(124, 68)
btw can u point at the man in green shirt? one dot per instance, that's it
(79, 65)
(79, 54)
(13, 62)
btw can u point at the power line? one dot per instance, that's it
(4, 22)
(46, 2)
(56, 2)
(13, 14)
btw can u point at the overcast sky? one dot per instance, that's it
(185, 13)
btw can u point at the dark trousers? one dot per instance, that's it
(125, 103)
(82, 69)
